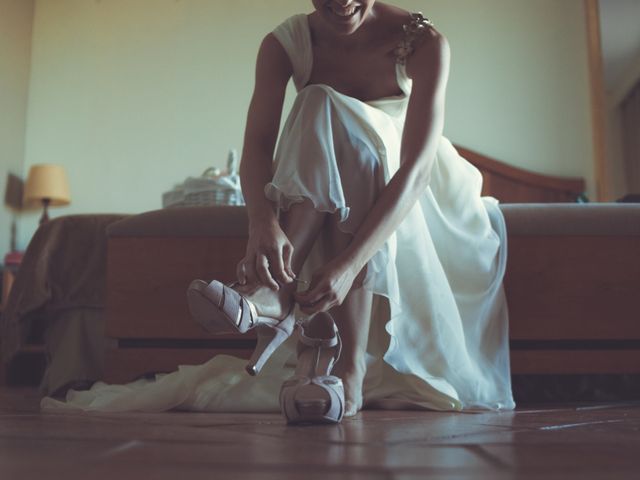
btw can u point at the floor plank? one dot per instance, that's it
(563, 441)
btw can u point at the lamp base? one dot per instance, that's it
(45, 211)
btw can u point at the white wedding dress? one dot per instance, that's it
(439, 332)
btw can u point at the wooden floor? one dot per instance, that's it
(567, 442)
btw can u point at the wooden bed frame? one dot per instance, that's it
(515, 185)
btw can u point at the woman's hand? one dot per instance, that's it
(329, 287)
(267, 260)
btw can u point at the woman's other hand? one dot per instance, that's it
(267, 260)
(328, 288)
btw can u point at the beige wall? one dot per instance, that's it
(519, 88)
(132, 96)
(16, 18)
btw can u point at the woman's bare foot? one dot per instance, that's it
(352, 375)
(353, 320)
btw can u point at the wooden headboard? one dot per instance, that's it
(514, 185)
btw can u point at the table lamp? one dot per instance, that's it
(46, 184)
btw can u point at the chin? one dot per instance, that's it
(343, 19)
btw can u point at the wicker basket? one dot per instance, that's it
(205, 191)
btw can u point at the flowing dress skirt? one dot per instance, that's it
(438, 337)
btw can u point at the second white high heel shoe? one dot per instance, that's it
(312, 394)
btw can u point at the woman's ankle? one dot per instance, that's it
(352, 375)
(353, 393)
(351, 364)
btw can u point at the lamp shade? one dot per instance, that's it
(47, 182)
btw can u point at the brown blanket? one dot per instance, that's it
(64, 268)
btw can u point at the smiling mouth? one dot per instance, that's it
(346, 13)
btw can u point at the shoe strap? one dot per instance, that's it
(328, 380)
(334, 387)
(249, 313)
(231, 301)
(247, 305)
(318, 342)
(332, 342)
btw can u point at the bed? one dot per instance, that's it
(83, 274)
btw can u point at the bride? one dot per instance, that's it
(365, 227)
(372, 212)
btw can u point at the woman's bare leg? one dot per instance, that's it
(302, 224)
(353, 319)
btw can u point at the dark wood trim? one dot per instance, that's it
(572, 185)
(590, 344)
(568, 362)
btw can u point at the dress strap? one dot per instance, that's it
(295, 37)
(413, 30)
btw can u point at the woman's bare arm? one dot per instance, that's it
(269, 251)
(429, 69)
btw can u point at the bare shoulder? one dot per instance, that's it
(431, 42)
(429, 49)
(273, 57)
(431, 54)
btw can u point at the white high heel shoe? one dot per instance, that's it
(312, 394)
(220, 309)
